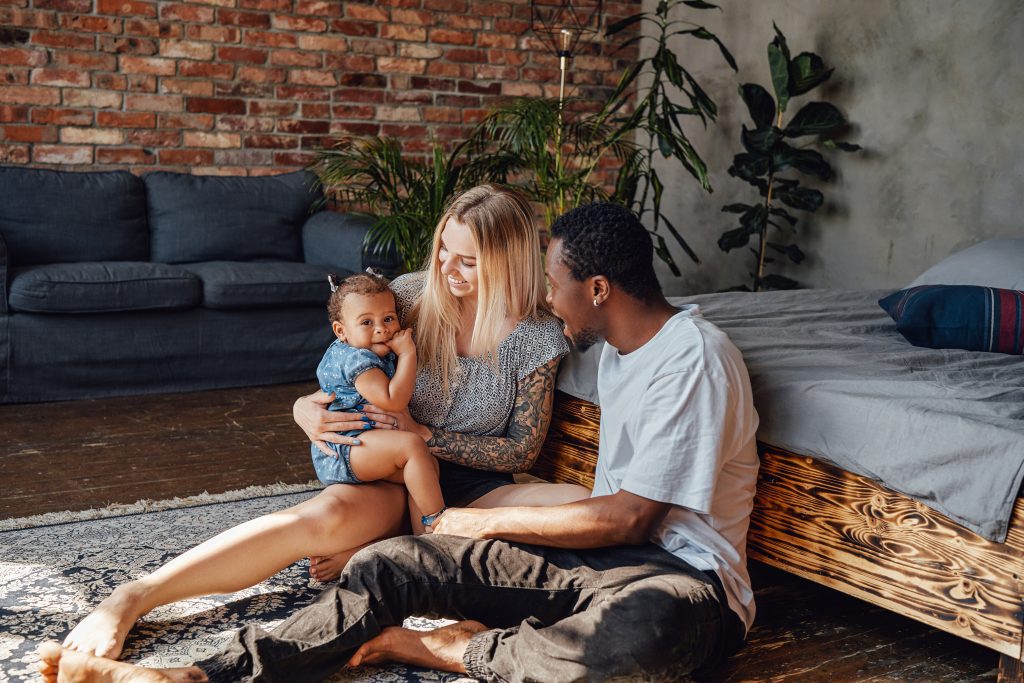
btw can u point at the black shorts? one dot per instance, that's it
(462, 485)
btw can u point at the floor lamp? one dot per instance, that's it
(563, 26)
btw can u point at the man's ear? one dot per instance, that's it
(339, 329)
(600, 288)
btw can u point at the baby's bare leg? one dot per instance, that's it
(399, 457)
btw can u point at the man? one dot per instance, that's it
(648, 576)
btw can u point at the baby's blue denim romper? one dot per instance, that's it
(337, 374)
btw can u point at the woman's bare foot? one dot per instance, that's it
(60, 665)
(326, 568)
(103, 632)
(441, 648)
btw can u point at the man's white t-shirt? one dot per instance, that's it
(677, 426)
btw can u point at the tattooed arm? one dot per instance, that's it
(528, 425)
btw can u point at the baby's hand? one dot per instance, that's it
(402, 343)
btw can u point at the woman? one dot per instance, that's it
(488, 351)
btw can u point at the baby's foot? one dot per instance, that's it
(67, 666)
(103, 632)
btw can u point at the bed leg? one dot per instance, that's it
(1011, 670)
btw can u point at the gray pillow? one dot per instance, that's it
(215, 218)
(63, 217)
(998, 262)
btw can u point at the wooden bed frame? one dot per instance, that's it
(844, 531)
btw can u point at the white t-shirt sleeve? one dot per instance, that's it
(679, 440)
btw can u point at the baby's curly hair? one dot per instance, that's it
(607, 239)
(360, 283)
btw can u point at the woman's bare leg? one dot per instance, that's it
(340, 518)
(531, 495)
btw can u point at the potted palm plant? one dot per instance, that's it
(405, 196)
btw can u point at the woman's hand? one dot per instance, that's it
(322, 425)
(401, 420)
(405, 422)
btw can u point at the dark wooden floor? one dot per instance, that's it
(84, 454)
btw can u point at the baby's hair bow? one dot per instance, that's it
(333, 280)
(374, 272)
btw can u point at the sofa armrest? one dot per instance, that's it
(336, 240)
(3, 276)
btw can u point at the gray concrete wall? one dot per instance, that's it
(935, 90)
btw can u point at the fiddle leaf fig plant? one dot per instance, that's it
(771, 148)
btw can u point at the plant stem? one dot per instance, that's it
(764, 231)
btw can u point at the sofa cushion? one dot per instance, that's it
(261, 284)
(97, 287)
(206, 218)
(60, 217)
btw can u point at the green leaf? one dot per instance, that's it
(804, 160)
(704, 34)
(773, 281)
(785, 215)
(736, 208)
(844, 146)
(791, 251)
(733, 239)
(618, 26)
(699, 4)
(749, 167)
(682, 243)
(761, 140)
(704, 101)
(812, 163)
(814, 118)
(657, 186)
(759, 103)
(778, 62)
(801, 198)
(661, 249)
(806, 72)
(754, 219)
(780, 41)
(628, 76)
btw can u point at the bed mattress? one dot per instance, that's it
(834, 380)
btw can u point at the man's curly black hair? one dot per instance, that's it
(607, 239)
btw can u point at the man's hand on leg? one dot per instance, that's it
(442, 648)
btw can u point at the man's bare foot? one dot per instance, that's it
(326, 568)
(60, 665)
(441, 648)
(103, 632)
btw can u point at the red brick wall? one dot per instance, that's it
(254, 86)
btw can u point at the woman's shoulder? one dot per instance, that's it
(543, 325)
(407, 289)
(536, 341)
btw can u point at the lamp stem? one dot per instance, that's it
(563, 62)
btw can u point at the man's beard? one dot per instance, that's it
(584, 339)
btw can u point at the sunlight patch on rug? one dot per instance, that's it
(52, 575)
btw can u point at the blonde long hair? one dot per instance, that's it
(510, 277)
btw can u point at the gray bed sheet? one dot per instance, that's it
(834, 380)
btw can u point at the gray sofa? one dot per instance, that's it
(113, 284)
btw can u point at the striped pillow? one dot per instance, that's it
(959, 317)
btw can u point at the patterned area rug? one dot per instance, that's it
(51, 576)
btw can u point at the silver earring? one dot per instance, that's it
(595, 302)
